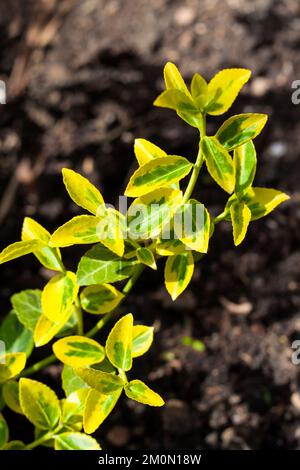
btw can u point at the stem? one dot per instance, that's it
(38, 366)
(79, 316)
(40, 440)
(197, 165)
(219, 218)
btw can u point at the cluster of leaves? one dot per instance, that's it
(94, 376)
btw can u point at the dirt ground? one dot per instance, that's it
(82, 76)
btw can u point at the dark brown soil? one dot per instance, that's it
(82, 76)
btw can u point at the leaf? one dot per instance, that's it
(149, 213)
(111, 229)
(100, 299)
(80, 230)
(169, 244)
(71, 382)
(192, 225)
(146, 256)
(39, 404)
(20, 249)
(119, 343)
(240, 217)
(83, 193)
(46, 329)
(244, 161)
(75, 441)
(239, 129)
(262, 201)
(104, 382)
(11, 364)
(10, 393)
(173, 79)
(199, 87)
(15, 336)
(178, 273)
(195, 344)
(156, 174)
(14, 445)
(73, 407)
(97, 407)
(27, 306)
(78, 351)
(223, 89)
(58, 296)
(219, 163)
(142, 338)
(48, 257)
(4, 433)
(138, 391)
(99, 265)
(145, 151)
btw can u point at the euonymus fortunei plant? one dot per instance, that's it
(163, 224)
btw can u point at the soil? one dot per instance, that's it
(81, 78)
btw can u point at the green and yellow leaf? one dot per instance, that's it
(27, 306)
(219, 163)
(97, 407)
(10, 392)
(80, 230)
(46, 329)
(149, 213)
(4, 433)
(111, 230)
(58, 296)
(39, 404)
(199, 89)
(192, 225)
(16, 337)
(262, 201)
(11, 364)
(239, 129)
(71, 382)
(72, 409)
(244, 160)
(47, 256)
(138, 391)
(18, 249)
(14, 445)
(83, 193)
(78, 351)
(178, 273)
(104, 382)
(119, 343)
(100, 299)
(99, 265)
(142, 338)
(223, 89)
(146, 256)
(75, 441)
(174, 80)
(240, 217)
(145, 151)
(157, 173)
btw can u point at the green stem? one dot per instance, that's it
(39, 441)
(197, 165)
(220, 217)
(38, 366)
(79, 316)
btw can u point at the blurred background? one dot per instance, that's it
(81, 78)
